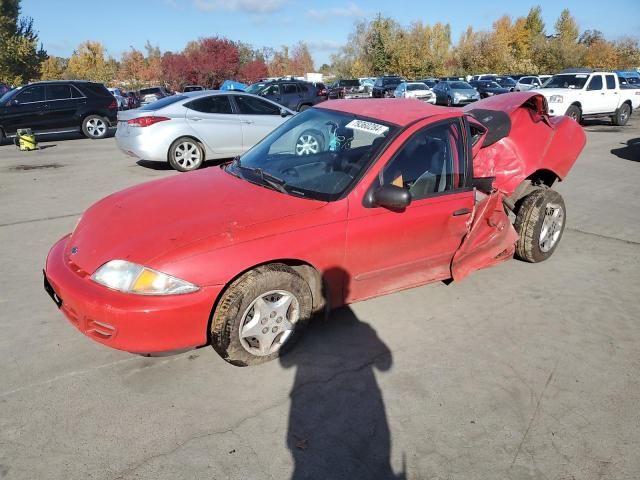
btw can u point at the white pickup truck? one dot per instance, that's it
(590, 95)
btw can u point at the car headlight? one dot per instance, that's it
(488, 94)
(133, 278)
(556, 99)
(456, 95)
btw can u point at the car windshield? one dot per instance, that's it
(491, 85)
(632, 80)
(163, 102)
(391, 81)
(349, 83)
(5, 98)
(576, 81)
(460, 86)
(255, 88)
(316, 154)
(416, 86)
(507, 81)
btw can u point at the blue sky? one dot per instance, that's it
(323, 24)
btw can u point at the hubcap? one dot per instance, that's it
(96, 127)
(268, 322)
(624, 114)
(187, 155)
(551, 227)
(307, 145)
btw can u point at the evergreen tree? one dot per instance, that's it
(20, 56)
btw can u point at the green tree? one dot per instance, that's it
(20, 56)
(88, 62)
(53, 68)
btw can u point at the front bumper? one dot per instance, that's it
(134, 323)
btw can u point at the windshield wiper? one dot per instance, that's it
(266, 178)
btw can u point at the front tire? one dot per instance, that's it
(540, 223)
(622, 115)
(574, 112)
(186, 154)
(95, 127)
(261, 315)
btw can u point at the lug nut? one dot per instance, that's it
(265, 330)
(278, 320)
(274, 329)
(263, 321)
(273, 314)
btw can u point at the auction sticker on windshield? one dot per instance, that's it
(368, 127)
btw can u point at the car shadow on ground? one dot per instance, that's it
(338, 426)
(630, 151)
(161, 166)
(56, 137)
(602, 125)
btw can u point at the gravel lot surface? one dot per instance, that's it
(519, 372)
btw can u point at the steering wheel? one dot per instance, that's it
(291, 172)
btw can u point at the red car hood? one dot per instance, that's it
(146, 221)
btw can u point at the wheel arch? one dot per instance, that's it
(309, 273)
(540, 179)
(192, 137)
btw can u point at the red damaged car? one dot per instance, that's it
(345, 201)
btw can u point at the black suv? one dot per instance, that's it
(385, 86)
(296, 95)
(345, 89)
(59, 106)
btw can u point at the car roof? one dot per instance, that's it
(392, 110)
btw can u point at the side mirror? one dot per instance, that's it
(391, 197)
(284, 112)
(13, 102)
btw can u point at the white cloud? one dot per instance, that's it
(350, 11)
(324, 45)
(247, 6)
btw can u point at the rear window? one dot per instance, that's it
(349, 83)
(163, 102)
(148, 91)
(392, 81)
(97, 89)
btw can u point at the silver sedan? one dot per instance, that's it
(189, 128)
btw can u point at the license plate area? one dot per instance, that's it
(52, 293)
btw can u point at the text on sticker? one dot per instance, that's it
(368, 127)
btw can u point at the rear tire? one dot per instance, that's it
(622, 115)
(95, 127)
(540, 223)
(574, 112)
(253, 322)
(186, 154)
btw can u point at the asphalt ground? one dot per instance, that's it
(521, 371)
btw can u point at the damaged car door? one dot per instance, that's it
(389, 247)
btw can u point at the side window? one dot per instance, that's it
(289, 88)
(595, 83)
(525, 81)
(255, 106)
(31, 94)
(611, 82)
(58, 92)
(212, 104)
(75, 93)
(272, 90)
(378, 82)
(431, 161)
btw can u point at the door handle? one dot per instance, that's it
(195, 119)
(250, 122)
(462, 211)
(602, 93)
